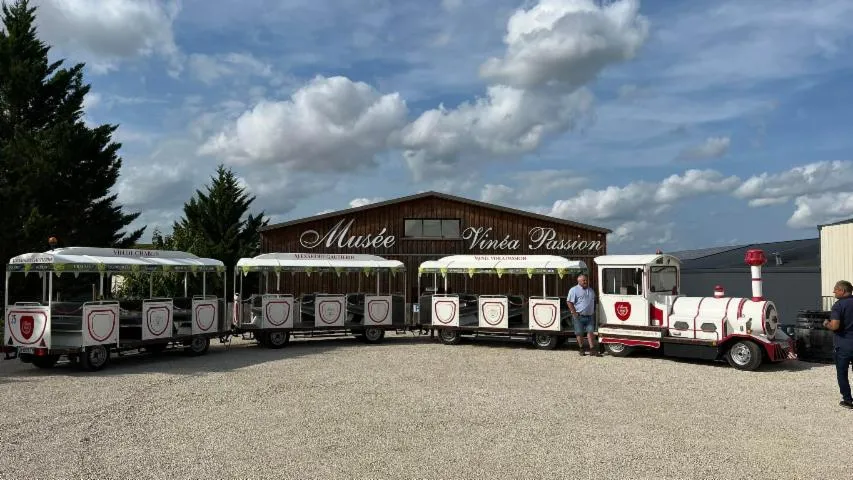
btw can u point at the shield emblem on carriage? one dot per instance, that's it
(277, 313)
(544, 314)
(493, 313)
(623, 310)
(378, 311)
(330, 311)
(444, 311)
(27, 326)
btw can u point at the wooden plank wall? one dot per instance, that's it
(414, 251)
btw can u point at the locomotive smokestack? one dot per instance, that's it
(755, 259)
(719, 292)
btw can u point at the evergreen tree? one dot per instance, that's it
(55, 171)
(216, 224)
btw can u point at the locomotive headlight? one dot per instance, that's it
(771, 321)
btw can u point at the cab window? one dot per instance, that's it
(663, 280)
(622, 281)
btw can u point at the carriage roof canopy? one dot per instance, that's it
(90, 259)
(511, 264)
(314, 262)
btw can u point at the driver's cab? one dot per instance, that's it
(637, 289)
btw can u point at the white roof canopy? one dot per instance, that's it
(653, 259)
(317, 262)
(500, 264)
(90, 259)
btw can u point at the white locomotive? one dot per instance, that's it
(641, 307)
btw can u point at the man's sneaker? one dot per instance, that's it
(846, 404)
(581, 351)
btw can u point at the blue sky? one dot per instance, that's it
(676, 124)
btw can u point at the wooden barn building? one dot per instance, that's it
(428, 226)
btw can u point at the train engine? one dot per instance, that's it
(641, 307)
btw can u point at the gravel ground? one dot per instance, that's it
(414, 408)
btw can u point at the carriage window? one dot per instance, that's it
(663, 279)
(622, 281)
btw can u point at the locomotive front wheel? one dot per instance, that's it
(449, 337)
(618, 349)
(744, 355)
(277, 339)
(373, 334)
(94, 358)
(545, 341)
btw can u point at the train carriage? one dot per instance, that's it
(545, 319)
(41, 331)
(272, 318)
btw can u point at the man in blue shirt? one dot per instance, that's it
(581, 302)
(841, 322)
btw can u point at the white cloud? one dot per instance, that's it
(822, 208)
(552, 50)
(360, 202)
(532, 187)
(810, 179)
(713, 147)
(623, 203)
(508, 121)
(566, 42)
(331, 124)
(641, 234)
(105, 32)
(213, 68)
(737, 43)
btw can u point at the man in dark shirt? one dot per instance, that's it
(841, 322)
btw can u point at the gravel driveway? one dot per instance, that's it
(414, 408)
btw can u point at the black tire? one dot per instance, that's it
(449, 337)
(373, 335)
(198, 345)
(545, 341)
(277, 339)
(95, 357)
(618, 349)
(744, 355)
(48, 361)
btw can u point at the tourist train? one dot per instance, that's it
(639, 305)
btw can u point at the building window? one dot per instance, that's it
(432, 228)
(414, 228)
(622, 281)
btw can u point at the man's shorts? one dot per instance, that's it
(583, 324)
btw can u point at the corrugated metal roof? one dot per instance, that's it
(791, 253)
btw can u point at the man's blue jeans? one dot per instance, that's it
(843, 358)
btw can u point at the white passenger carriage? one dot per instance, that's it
(273, 318)
(68, 319)
(641, 307)
(545, 320)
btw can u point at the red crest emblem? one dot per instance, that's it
(27, 326)
(623, 310)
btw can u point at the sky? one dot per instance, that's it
(677, 125)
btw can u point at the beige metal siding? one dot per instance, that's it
(836, 258)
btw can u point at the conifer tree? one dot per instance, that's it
(56, 173)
